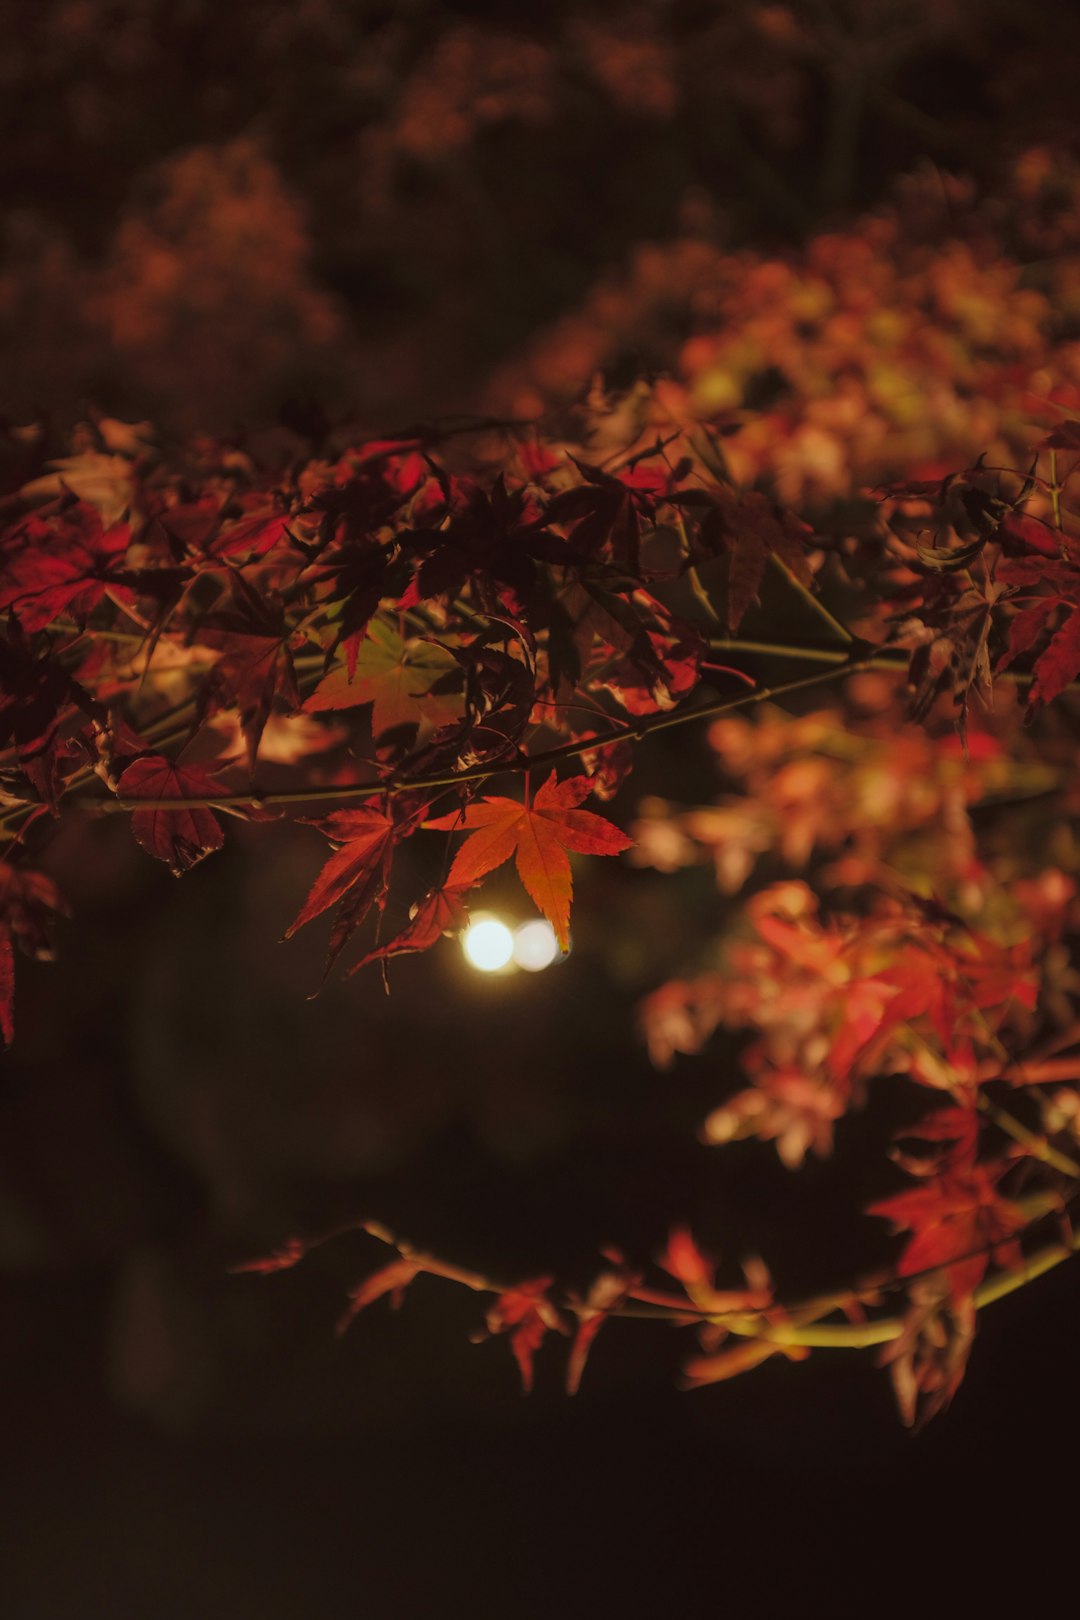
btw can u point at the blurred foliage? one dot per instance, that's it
(944, 325)
(209, 209)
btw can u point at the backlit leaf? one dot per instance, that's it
(540, 837)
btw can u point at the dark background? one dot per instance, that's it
(184, 1442)
(208, 208)
(208, 212)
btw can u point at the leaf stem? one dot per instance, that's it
(882, 659)
(1036, 1145)
(165, 730)
(814, 603)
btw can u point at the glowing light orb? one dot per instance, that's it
(488, 945)
(535, 946)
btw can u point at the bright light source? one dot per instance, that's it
(535, 946)
(488, 945)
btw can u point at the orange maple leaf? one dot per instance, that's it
(539, 835)
(392, 1279)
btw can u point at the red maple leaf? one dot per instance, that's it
(61, 563)
(660, 669)
(1020, 534)
(489, 537)
(604, 514)
(357, 875)
(650, 659)
(438, 913)
(539, 835)
(179, 836)
(607, 765)
(1059, 662)
(958, 1221)
(252, 535)
(205, 528)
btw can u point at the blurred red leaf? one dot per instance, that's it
(1066, 436)
(392, 1279)
(959, 1222)
(37, 694)
(282, 1259)
(526, 1314)
(59, 564)
(605, 1296)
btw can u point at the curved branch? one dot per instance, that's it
(800, 1326)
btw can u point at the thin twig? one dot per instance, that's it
(476, 773)
(1036, 1145)
(798, 1326)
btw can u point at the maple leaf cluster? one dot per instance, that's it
(461, 638)
(241, 263)
(931, 329)
(915, 948)
(380, 629)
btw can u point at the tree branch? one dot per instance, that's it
(799, 1326)
(663, 721)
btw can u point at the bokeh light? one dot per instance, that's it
(535, 945)
(488, 945)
